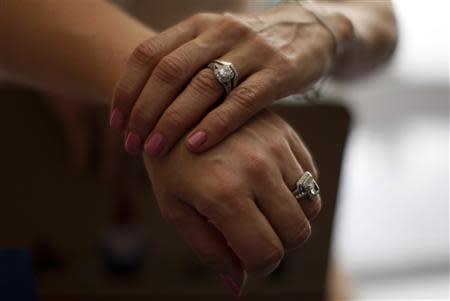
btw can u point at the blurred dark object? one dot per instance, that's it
(91, 147)
(16, 277)
(46, 257)
(46, 197)
(123, 243)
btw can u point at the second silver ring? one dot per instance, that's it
(306, 187)
(225, 73)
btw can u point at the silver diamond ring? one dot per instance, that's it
(307, 187)
(225, 74)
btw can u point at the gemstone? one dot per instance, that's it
(224, 73)
(313, 189)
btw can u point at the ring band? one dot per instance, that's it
(225, 73)
(306, 187)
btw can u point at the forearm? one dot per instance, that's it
(73, 47)
(366, 30)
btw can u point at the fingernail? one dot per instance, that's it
(116, 120)
(234, 288)
(155, 144)
(133, 144)
(196, 139)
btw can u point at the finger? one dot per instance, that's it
(292, 171)
(283, 211)
(255, 93)
(194, 102)
(140, 66)
(302, 154)
(168, 79)
(245, 229)
(205, 241)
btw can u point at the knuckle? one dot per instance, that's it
(279, 122)
(198, 16)
(290, 133)
(269, 259)
(170, 69)
(278, 148)
(228, 20)
(122, 93)
(315, 209)
(311, 164)
(294, 139)
(139, 117)
(284, 63)
(173, 120)
(222, 122)
(257, 164)
(145, 52)
(300, 236)
(265, 48)
(244, 97)
(284, 126)
(286, 60)
(205, 83)
(233, 26)
(202, 16)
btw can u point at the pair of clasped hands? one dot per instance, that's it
(223, 167)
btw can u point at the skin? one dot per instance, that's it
(76, 60)
(171, 92)
(237, 211)
(77, 54)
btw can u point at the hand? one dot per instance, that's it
(166, 90)
(233, 205)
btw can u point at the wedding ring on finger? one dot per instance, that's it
(306, 187)
(225, 73)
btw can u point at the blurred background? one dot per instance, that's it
(392, 228)
(85, 213)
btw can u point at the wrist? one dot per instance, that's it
(338, 25)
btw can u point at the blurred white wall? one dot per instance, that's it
(392, 231)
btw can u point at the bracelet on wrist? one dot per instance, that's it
(315, 92)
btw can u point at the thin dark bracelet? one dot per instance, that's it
(315, 92)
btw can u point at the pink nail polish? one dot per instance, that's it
(197, 139)
(116, 121)
(234, 288)
(133, 144)
(155, 145)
